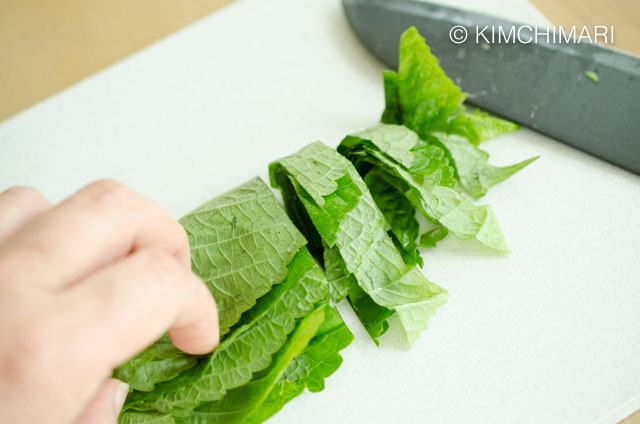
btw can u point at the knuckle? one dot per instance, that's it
(108, 193)
(24, 196)
(19, 191)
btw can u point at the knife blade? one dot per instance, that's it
(544, 86)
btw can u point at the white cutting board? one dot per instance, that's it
(547, 334)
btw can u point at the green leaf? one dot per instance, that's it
(241, 243)
(340, 282)
(399, 214)
(133, 417)
(315, 175)
(248, 349)
(395, 140)
(433, 162)
(298, 214)
(372, 316)
(422, 98)
(321, 358)
(240, 403)
(479, 126)
(454, 211)
(426, 183)
(393, 112)
(592, 76)
(426, 96)
(281, 394)
(318, 361)
(335, 207)
(311, 165)
(472, 164)
(160, 362)
(363, 243)
(402, 147)
(432, 237)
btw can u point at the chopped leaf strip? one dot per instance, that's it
(426, 96)
(472, 164)
(363, 243)
(160, 362)
(426, 184)
(241, 402)
(241, 243)
(395, 140)
(316, 176)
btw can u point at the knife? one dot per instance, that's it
(549, 87)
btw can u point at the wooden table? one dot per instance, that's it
(49, 45)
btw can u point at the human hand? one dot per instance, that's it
(84, 286)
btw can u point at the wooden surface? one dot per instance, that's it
(623, 15)
(632, 419)
(48, 45)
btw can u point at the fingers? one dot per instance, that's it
(18, 205)
(124, 307)
(96, 226)
(106, 404)
(116, 268)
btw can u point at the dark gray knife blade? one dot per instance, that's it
(540, 85)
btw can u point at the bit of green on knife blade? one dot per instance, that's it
(592, 76)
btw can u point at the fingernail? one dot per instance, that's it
(121, 395)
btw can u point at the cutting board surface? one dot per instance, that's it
(546, 334)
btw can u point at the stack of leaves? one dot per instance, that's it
(424, 149)
(279, 333)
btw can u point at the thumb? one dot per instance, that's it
(106, 404)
